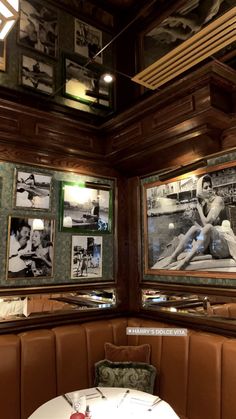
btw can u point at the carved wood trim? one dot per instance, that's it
(228, 138)
(128, 136)
(197, 107)
(174, 123)
(214, 72)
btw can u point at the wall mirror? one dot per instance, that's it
(37, 305)
(179, 302)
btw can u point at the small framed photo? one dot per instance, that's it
(3, 55)
(88, 40)
(30, 248)
(38, 28)
(86, 208)
(86, 85)
(32, 190)
(86, 257)
(37, 75)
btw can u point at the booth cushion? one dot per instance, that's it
(128, 353)
(196, 373)
(138, 375)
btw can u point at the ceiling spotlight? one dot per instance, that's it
(107, 77)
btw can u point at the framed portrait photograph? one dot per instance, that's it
(85, 208)
(30, 248)
(190, 224)
(86, 257)
(38, 27)
(3, 55)
(37, 75)
(32, 190)
(88, 40)
(86, 85)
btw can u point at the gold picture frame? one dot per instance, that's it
(3, 55)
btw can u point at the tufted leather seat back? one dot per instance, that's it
(196, 373)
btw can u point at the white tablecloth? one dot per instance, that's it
(118, 404)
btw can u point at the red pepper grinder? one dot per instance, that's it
(77, 415)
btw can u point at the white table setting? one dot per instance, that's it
(106, 403)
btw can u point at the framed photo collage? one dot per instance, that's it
(47, 67)
(86, 213)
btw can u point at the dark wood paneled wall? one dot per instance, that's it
(188, 120)
(185, 121)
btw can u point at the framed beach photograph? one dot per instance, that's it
(85, 208)
(88, 41)
(190, 224)
(38, 27)
(32, 190)
(85, 85)
(3, 55)
(86, 257)
(37, 75)
(30, 248)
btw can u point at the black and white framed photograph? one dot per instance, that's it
(37, 75)
(85, 208)
(38, 27)
(88, 40)
(86, 257)
(30, 247)
(32, 190)
(86, 85)
(3, 55)
(190, 224)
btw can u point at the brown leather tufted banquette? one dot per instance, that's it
(196, 373)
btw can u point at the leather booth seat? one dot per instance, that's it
(196, 374)
(225, 310)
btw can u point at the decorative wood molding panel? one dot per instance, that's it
(124, 139)
(173, 111)
(70, 139)
(28, 135)
(54, 160)
(228, 138)
(184, 121)
(9, 123)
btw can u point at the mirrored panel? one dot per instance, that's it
(190, 303)
(33, 305)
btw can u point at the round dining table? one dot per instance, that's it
(106, 403)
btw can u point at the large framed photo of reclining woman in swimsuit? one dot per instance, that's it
(190, 224)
